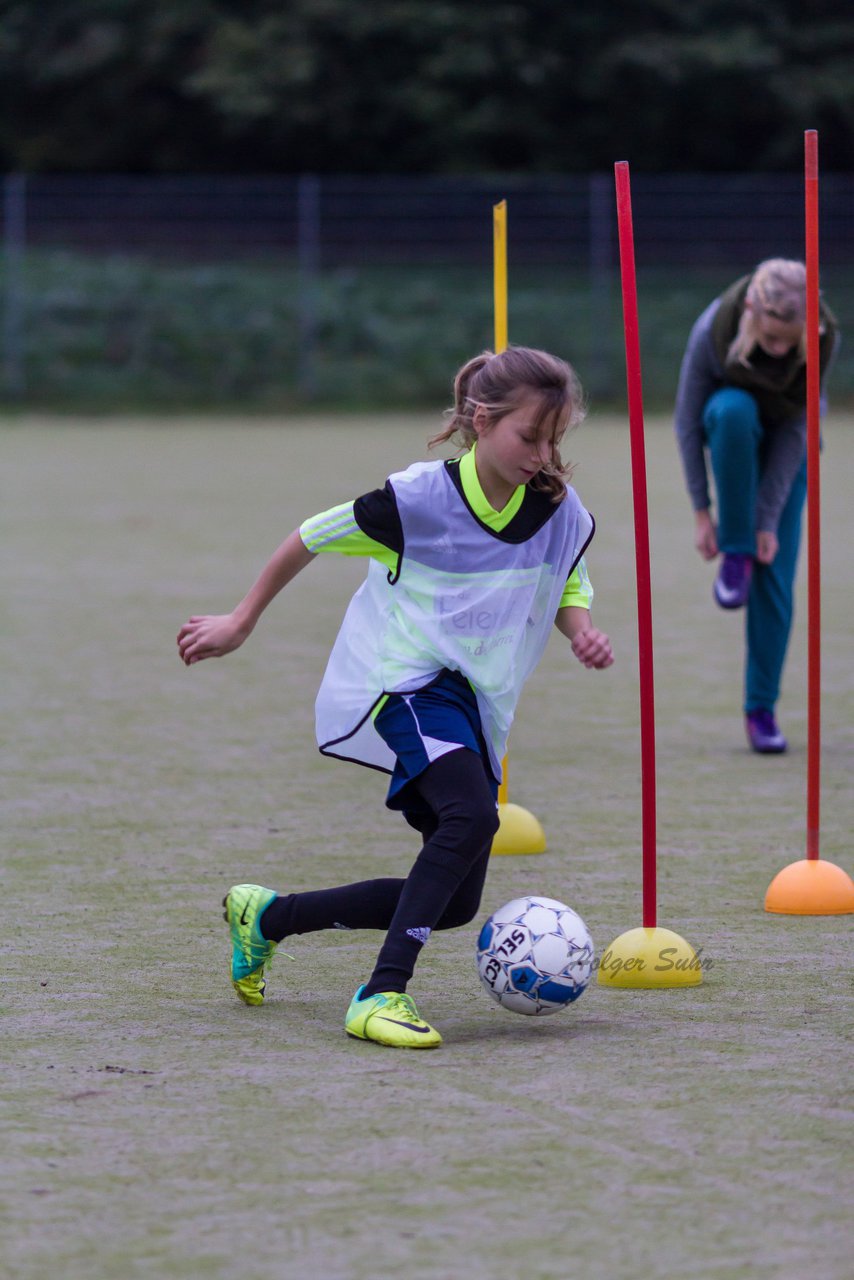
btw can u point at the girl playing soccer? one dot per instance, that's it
(471, 561)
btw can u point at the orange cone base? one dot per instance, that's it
(650, 958)
(811, 887)
(518, 831)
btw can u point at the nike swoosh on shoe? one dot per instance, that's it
(423, 1031)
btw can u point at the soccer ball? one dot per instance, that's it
(534, 955)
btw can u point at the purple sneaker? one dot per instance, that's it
(732, 585)
(763, 732)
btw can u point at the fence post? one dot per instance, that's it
(600, 205)
(308, 259)
(14, 240)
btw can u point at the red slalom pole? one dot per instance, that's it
(813, 495)
(639, 494)
(634, 959)
(812, 886)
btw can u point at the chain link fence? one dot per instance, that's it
(282, 291)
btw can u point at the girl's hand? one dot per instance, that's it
(592, 648)
(705, 534)
(210, 636)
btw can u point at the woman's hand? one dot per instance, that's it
(705, 534)
(767, 546)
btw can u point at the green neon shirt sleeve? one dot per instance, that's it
(337, 530)
(579, 589)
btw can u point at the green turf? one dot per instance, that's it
(154, 1127)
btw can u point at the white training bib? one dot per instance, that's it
(463, 599)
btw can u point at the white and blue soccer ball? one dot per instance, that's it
(535, 955)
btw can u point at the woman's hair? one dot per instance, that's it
(499, 383)
(777, 288)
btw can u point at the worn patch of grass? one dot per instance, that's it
(155, 1127)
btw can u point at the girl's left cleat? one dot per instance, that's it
(250, 950)
(390, 1018)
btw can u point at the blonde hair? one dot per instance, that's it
(498, 383)
(777, 288)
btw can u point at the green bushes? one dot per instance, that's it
(96, 334)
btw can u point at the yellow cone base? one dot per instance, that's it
(811, 887)
(650, 958)
(518, 831)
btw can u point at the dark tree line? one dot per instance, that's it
(423, 86)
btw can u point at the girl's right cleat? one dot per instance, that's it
(390, 1018)
(250, 950)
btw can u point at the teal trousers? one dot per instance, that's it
(736, 438)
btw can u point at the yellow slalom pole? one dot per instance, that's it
(518, 831)
(499, 272)
(499, 293)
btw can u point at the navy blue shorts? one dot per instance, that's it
(419, 727)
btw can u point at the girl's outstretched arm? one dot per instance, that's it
(213, 635)
(590, 645)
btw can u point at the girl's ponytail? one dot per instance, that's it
(458, 419)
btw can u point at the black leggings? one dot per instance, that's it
(442, 891)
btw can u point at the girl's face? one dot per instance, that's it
(776, 337)
(511, 451)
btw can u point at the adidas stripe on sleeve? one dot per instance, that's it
(370, 526)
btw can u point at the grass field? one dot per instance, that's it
(154, 1127)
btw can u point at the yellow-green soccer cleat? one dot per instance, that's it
(391, 1018)
(250, 950)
